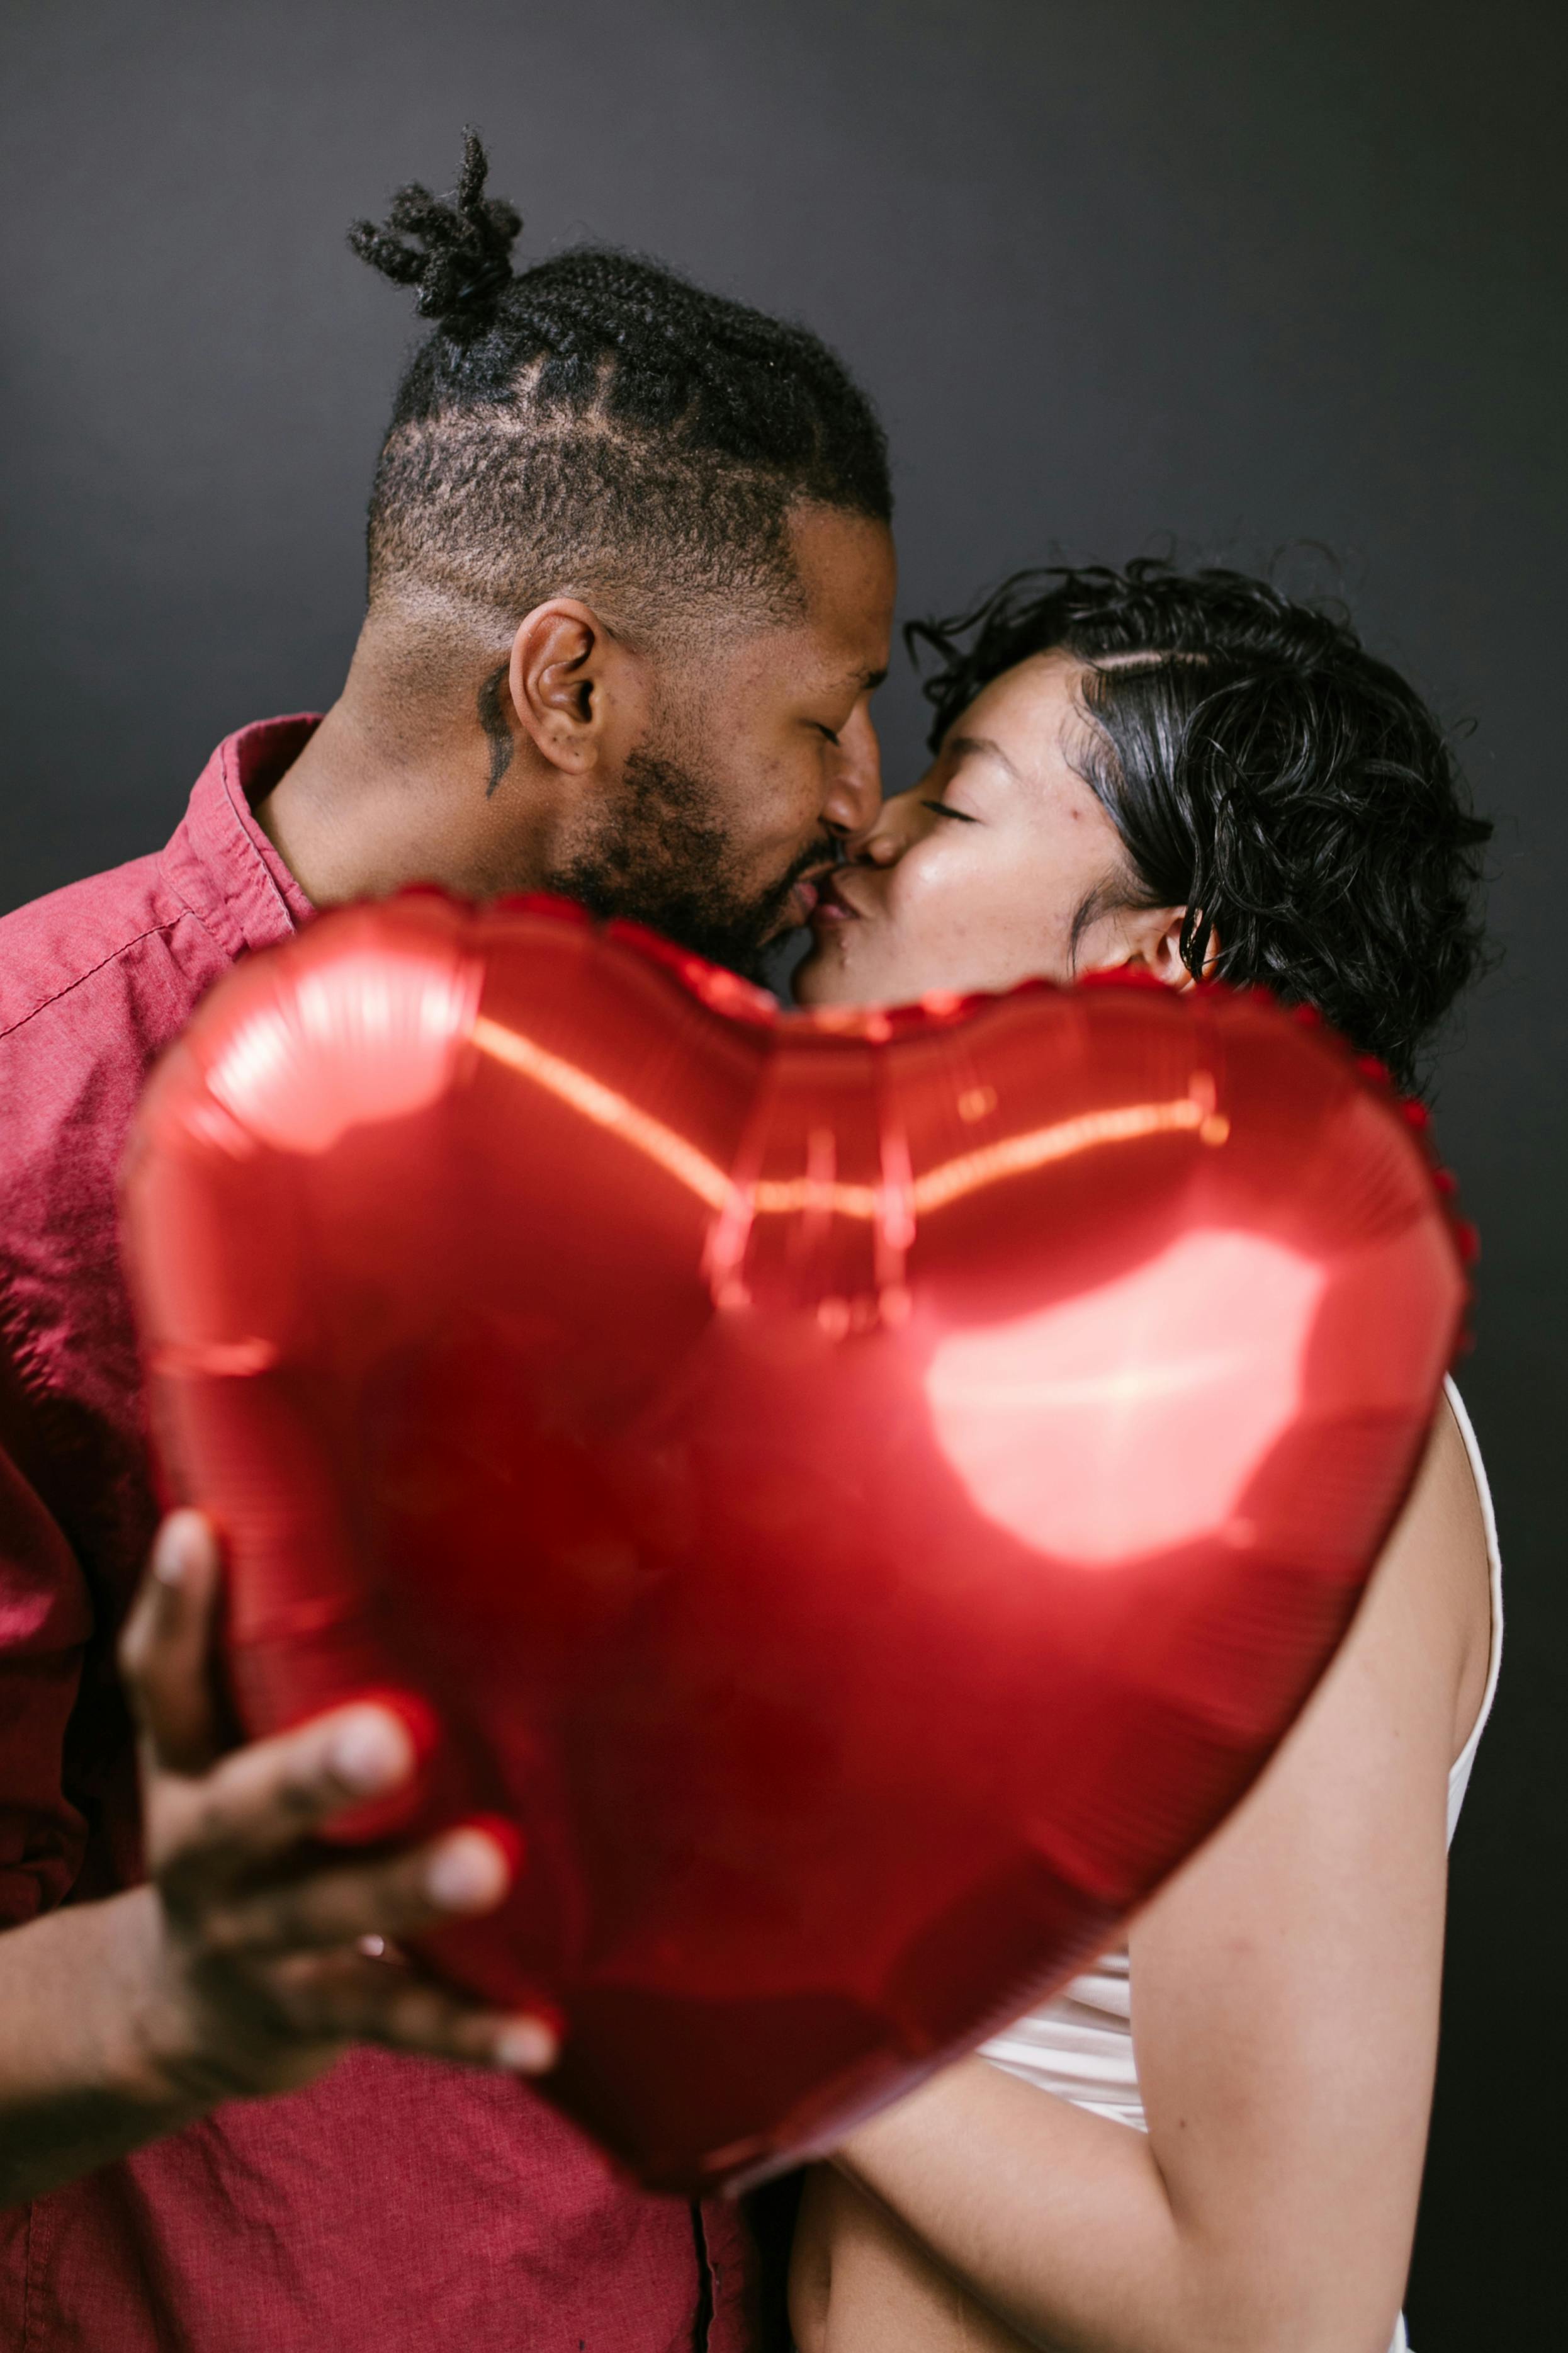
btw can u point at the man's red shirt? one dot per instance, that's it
(397, 2202)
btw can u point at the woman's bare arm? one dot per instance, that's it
(1284, 2016)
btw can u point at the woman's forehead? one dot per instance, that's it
(1031, 711)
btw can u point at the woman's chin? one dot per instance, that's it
(813, 980)
(823, 976)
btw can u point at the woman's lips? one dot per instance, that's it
(831, 906)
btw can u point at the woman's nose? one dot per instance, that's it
(886, 838)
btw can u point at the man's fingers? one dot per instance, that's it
(464, 1873)
(420, 2020)
(263, 1800)
(166, 1647)
(365, 2001)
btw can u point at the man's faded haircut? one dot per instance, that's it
(598, 426)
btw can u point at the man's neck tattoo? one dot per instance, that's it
(493, 721)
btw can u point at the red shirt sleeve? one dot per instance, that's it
(45, 1620)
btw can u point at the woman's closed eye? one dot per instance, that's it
(943, 808)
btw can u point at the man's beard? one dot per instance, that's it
(662, 857)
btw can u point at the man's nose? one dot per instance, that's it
(854, 796)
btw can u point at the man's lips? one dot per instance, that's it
(798, 905)
(807, 892)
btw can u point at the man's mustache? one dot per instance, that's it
(818, 857)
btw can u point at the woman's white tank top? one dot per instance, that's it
(1080, 2045)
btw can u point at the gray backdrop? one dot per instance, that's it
(1244, 275)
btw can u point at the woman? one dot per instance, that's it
(1215, 2140)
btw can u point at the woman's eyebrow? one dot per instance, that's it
(989, 749)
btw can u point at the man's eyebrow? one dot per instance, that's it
(989, 749)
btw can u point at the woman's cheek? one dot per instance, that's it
(936, 882)
(918, 919)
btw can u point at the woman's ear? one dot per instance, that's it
(1165, 955)
(1149, 939)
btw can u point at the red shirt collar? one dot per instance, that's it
(219, 861)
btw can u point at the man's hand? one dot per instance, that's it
(261, 1958)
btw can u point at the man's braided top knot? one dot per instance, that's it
(462, 264)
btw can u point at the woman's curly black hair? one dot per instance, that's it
(1266, 773)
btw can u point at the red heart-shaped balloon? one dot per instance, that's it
(863, 1495)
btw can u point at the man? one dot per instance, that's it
(630, 588)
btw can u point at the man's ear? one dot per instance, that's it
(578, 691)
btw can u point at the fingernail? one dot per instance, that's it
(468, 1872)
(168, 1563)
(370, 1750)
(172, 1548)
(526, 2047)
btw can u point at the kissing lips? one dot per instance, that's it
(799, 907)
(832, 907)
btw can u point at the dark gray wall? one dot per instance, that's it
(1249, 275)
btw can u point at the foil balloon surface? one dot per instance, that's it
(863, 1495)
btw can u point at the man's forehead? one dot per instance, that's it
(849, 653)
(846, 567)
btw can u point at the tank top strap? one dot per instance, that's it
(1459, 1772)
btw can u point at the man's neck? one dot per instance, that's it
(392, 789)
